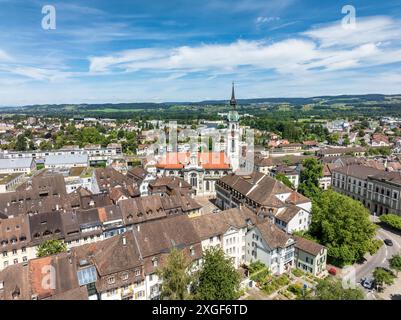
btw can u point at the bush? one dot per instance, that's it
(275, 284)
(376, 245)
(297, 272)
(295, 289)
(391, 220)
(256, 266)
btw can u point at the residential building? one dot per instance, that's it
(310, 256)
(227, 230)
(66, 161)
(25, 165)
(266, 197)
(378, 190)
(270, 245)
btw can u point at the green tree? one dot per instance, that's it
(21, 144)
(383, 277)
(175, 276)
(309, 178)
(217, 279)
(333, 138)
(332, 289)
(395, 263)
(50, 247)
(281, 177)
(343, 226)
(391, 220)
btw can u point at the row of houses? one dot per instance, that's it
(125, 266)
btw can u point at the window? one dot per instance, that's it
(15, 261)
(194, 180)
(137, 272)
(154, 261)
(14, 251)
(5, 264)
(25, 258)
(5, 254)
(124, 276)
(87, 275)
(111, 280)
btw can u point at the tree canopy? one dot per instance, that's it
(332, 289)
(391, 220)
(217, 279)
(395, 263)
(50, 247)
(309, 179)
(175, 276)
(383, 277)
(343, 226)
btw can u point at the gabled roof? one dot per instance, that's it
(308, 246)
(273, 235)
(214, 224)
(161, 236)
(288, 213)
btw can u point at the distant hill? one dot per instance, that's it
(343, 105)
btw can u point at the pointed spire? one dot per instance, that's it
(233, 102)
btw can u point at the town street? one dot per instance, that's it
(380, 259)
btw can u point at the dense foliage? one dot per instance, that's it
(383, 277)
(217, 279)
(175, 276)
(50, 247)
(332, 289)
(391, 220)
(309, 178)
(342, 224)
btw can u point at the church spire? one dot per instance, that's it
(233, 102)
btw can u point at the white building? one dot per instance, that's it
(66, 161)
(227, 230)
(25, 165)
(270, 245)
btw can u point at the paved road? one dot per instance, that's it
(380, 259)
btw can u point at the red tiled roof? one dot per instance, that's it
(208, 160)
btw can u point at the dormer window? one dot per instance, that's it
(192, 250)
(154, 262)
(124, 276)
(111, 280)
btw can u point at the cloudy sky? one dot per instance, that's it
(191, 50)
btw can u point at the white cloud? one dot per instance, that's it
(261, 20)
(4, 56)
(328, 48)
(367, 30)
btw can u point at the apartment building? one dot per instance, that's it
(378, 190)
(9, 166)
(266, 197)
(270, 245)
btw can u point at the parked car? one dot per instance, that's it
(333, 271)
(388, 242)
(367, 283)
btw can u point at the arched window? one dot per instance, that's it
(194, 180)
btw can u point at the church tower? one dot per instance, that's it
(233, 132)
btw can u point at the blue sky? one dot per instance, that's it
(187, 50)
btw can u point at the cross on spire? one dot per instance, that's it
(233, 102)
